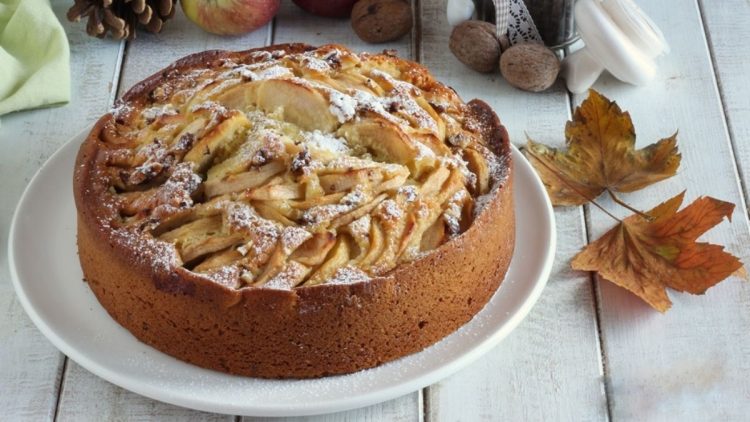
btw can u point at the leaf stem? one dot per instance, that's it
(621, 203)
(570, 185)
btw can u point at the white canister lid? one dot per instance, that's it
(637, 26)
(610, 46)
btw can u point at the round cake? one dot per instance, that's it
(294, 212)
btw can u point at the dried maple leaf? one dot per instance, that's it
(601, 155)
(646, 257)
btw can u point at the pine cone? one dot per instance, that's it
(120, 17)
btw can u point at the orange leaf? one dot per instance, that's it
(601, 155)
(646, 257)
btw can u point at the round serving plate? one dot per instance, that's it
(47, 277)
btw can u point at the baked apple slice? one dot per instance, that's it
(201, 237)
(314, 251)
(250, 179)
(337, 258)
(302, 104)
(221, 136)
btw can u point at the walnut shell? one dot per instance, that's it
(378, 21)
(529, 66)
(475, 44)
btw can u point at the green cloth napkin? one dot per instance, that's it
(34, 56)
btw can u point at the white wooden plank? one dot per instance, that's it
(727, 25)
(294, 25)
(87, 397)
(83, 400)
(402, 409)
(549, 368)
(30, 367)
(691, 363)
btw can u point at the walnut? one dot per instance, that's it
(378, 21)
(530, 66)
(475, 44)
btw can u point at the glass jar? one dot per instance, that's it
(553, 19)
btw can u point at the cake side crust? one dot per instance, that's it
(308, 332)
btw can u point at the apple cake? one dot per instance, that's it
(292, 211)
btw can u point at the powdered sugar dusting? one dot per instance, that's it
(264, 236)
(481, 202)
(256, 72)
(349, 275)
(378, 105)
(240, 216)
(228, 276)
(154, 156)
(323, 213)
(267, 55)
(342, 106)
(313, 63)
(452, 213)
(409, 192)
(153, 113)
(361, 226)
(211, 106)
(273, 72)
(292, 238)
(354, 198)
(455, 161)
(263, 233)
(161, 256)
(423, 151)
(176, 193)
(291, 275)
(390, 210)
(121, 109)
(318, 141)
(402, 100)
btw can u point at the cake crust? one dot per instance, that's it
(305, 332)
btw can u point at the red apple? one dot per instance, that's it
(230, 17)
(327, 8)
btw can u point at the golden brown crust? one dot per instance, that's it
(308, 331)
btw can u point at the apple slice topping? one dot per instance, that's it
(278, 170)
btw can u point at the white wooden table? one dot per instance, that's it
(588, 350)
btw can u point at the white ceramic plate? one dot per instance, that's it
(47, 277)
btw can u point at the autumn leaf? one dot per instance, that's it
(647, 256)
(647, 252)
(601, 155)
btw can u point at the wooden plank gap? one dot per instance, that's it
(271, 32)
(603, 364)
(416, 31)
(117, 74)
(744, 193)
(600, 336)
(60, 386)
(122, 65)
(585, 212)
